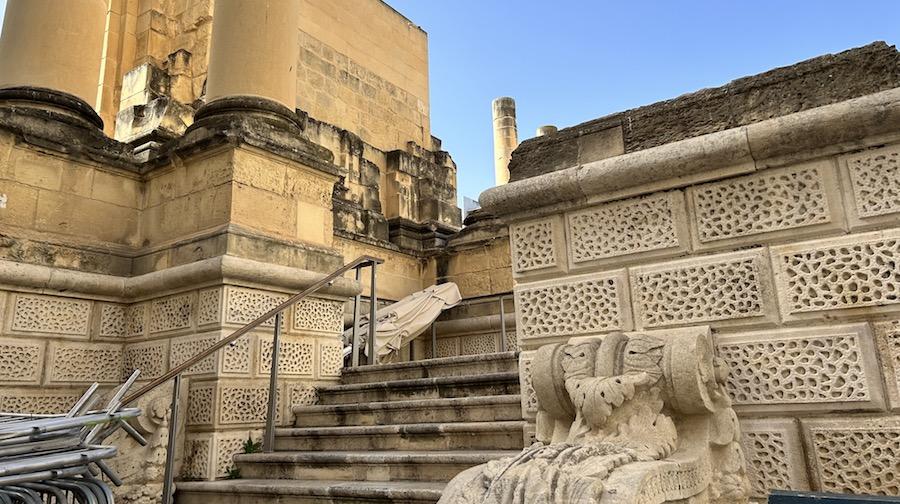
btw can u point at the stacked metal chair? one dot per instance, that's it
(59, 459)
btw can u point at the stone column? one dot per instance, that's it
(546, 130)
(506, 137)
(50, 53)
(253, 54)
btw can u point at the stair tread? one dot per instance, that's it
(411, 404)
(440, 361)
(378, 456)
(413, 428)
(421, 382)
(419, 489)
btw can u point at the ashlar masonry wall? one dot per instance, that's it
(790, 254)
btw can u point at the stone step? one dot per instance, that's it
(503, 362)
(251, 491)
(504, 435)
(364, 466)
(458, 409)
(421, 388)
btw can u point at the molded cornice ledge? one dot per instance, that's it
(228, 269)
(823, 130)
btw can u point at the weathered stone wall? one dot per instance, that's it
(787, 247)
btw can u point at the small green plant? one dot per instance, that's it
(233, 473)
(251, 446)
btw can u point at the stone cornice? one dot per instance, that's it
(222, 269)
(847, 125)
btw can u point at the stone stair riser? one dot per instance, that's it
(390, 416)
(498, 440)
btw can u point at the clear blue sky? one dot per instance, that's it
(569, 61)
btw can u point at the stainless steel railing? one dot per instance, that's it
(277, 313)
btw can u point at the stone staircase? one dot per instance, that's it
(393, 433)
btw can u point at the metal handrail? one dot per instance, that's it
(277, 313)
(360, 261)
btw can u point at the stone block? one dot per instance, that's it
(243, 403)
(112, 320)
(773, 448)
(538, 246)
(855, 455)
(628, 230)
(150, 357)
(872, 187)
(50, 315)
(21, 361)
(208, 456)
(78, 179)
(554, 310)
(317, 315)
(20, 204)
(802, 370)
(768, 206)
(209, 307)
(528, 395)
(447, 347)
(71, 362)
(73, 215)
(38, 169)
(848, 274)
(39, 401)
(726, 289)
(172, 313)
(331, 358)
(296, 356)
(234, 359)
(475, 344)
(136, 320)
(243, 305)
(116, 189)
(887, 337)
(263, 211)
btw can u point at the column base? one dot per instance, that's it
(268, 110)
(71, 108)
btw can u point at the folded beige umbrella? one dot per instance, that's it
(403, 321)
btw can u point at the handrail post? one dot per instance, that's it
(169, 474)
(269, 442)
(373, 305)
(354, 342)
(502, 326)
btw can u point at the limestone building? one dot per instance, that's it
(170, 170)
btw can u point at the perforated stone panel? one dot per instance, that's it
(151, 358)
(189, 346)
(85, 362)
(197, 461)
(784, 202)
(529, 397)
(478, 344)
(302, 394)
(295, 356)
(849, 272)
(112, 320)
(172, 313)
(873, 182)
(887, 336)
(726, 287)
(243, 404)
(201, 405)
(136, 319)
(623, 228)
(790, 370)
(774, 453)
(331, 359)
(38, 402)
(320, 315)
(572, 306)
(21, 361)
(49, 314)
(858, 455)
(447, 347)
(226, 446)
(209, 309)
(536, 244)
(245, 305)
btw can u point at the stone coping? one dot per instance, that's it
(846, 125)
(130, 289)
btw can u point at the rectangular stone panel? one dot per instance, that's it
(85, 362)
(201, 404)
(331, 358)
(446, 347)
(872, 186)
(21, 361)
(150, 357)
(294, 358)
(769, 205)
(653, 225)
(232, 359)
(475, 344)
(859, 455)
(112, 320)
(209, 456)
(209, 310)
(43, 401)
(319, 315)
(573, 306)
(33, 313)
(849, 272)
(528, 395)
(537, 245)
(773, 449)
(243, 403)
(802, 370)
(728, 289)
(172, 313)
(244, 305)
(887, 337)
